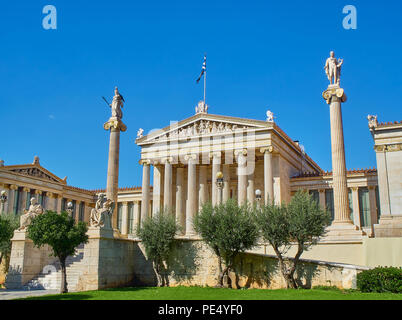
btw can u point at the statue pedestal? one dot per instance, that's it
(26, 260)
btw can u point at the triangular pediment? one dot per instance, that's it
(203, 125)
(35, 171)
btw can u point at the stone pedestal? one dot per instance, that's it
(114, 125)
(108, 262)
(26, 260)
(389, 226)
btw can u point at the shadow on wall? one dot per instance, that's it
(184, 262)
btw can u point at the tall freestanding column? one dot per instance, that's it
(167, 189)
(114, 126)
(216, 166)
(180, 209)
(334, 96)
(241, 175)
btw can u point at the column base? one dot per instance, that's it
(388, 226)
(343, 232)
(97, 232)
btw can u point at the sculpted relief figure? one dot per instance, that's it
(101, 214)
(333, 68)
(117, 104)
(34, 210)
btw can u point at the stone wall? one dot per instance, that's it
(193, 263)
(26, 260)
(108, 262)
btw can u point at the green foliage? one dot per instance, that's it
(8, 223)
(157, 235)
(58, 231)
(299, 223)
(380, 279)
(228, 229)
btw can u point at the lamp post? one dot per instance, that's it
(219, 184)
(258, 197)
(3, 199)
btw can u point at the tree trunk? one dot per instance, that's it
(220, 276)
(294, 265)
(63, 287)
(158, 275)
(284, 269)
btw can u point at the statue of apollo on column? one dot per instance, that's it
(333, 68)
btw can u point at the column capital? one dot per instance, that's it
(189, 157)
(388, 147)
(214, 154)
(115, 123)
(144, 162)
(371, 187)
(240, 152)
(59, 196)
(354, 188)
(268, 149)
(166, 160)
(13, 187)
(334, 93)
(50, 195)
(125, 203)
(38, 192)
(321, 190)
(26, 189)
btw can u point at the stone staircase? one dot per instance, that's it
(50, 277)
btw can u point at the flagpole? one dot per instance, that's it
(205, 84)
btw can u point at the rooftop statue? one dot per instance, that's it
(34, 210)
(333, 68)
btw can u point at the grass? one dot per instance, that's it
(207, 293)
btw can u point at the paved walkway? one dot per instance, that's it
(16, 294)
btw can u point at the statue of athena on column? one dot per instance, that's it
(117, 104)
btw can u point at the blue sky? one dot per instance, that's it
(261, 55)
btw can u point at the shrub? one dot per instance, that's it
(380, 279)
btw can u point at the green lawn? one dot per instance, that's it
(205, 293)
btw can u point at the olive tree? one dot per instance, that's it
(157, 235)
(60, 232)
(228, 229)
(299, 224)
(8, 223)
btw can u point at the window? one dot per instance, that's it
(119, 216)
(81, 212)
(364, 203)
(316, 195)
(377, 200)
(130, 217)
(329, 201)
(350, 204)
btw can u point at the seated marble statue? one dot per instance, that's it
(101, 214)
(34, 210)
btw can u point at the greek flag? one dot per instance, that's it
(204, 68)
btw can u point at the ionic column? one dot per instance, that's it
(156, 198)
(334, 96)
(216, 166)
(268, 174)
(59, 202)
(180, 209)
(87, 212)
(24, 195)
(124, 218)
(203, 190)
(242, 175)
(250, 188)
(136, 220)
(356, 206)
(321, 198)
(52, 205)
(114, 126)
(38, 195)
(11, 198)
(191, 194)
(373, 205)
(167, 189)
(226, 182)
(77, 210)
(145, 189)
